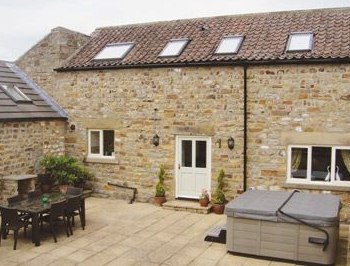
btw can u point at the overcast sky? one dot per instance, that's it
(25, 22)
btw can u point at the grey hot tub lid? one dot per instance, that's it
(264, 205)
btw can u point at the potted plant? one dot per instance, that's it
(66, 170)
(219, 196)
(159, 197)
(204, 198)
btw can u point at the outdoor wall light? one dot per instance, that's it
(72, 127)
(155, 140)
(230, 143)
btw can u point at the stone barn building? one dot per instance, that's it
(266, 97)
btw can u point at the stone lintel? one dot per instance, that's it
(313, 138)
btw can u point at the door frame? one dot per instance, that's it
(178, 139)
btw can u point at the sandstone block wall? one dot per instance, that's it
(200, 101)
(49, 53)
(23, 143)
(296, 104)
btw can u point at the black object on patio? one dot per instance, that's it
(10, 220)
(74, 209)
(57, 213)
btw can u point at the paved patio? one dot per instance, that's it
(118, 233)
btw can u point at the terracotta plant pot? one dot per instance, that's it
(203, 202)
(218, 208)
(159, 200)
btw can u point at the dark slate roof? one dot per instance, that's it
(41, 105)
(266, 35)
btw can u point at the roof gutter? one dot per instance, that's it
(212, 63)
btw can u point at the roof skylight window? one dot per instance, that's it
(115, 51)
(15, 93)
(229, 45)
(300, 41)
(174, 47)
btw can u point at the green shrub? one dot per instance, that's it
(160, 189)
(219, 195)
(65, 170)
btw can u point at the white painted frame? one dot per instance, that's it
(100, 155)
(178, 162)
(308, 180)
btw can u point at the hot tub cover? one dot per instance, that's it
(317, 209)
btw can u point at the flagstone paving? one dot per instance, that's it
(124, 234)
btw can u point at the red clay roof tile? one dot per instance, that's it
(266, 35)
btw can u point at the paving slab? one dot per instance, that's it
(118, 233)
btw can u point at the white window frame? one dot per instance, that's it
(239, 39)
(166, 53)
(297, 34)
(101, 54)
(308, 180)
(101, 154)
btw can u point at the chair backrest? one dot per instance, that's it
(73, 204)
(14, 199)
(74, 191)
(58, 209)
(10, 217)
(34, 194)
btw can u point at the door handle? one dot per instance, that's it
(178, 167)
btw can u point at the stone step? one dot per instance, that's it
(186, 205)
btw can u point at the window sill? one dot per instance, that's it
(316, 187)
(101, 160)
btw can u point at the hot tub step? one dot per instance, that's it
(217, 234)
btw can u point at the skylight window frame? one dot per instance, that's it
(122, 56)
(311, 42)
(6, 89)
(186, 42)
(239, 45)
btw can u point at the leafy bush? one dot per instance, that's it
(66, 170)
(160, 189)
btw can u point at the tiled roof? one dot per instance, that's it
(265, 39)
(41, 105)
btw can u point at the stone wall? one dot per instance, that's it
(23, 143)
(200, 101)
(296, 104)
(49, 53)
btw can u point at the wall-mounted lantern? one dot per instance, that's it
(155, 140)
(230, 143)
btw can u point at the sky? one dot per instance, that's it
(25, 22)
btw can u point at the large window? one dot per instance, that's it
(115, 51)
(319, 164)
(101, 143)
(300, 41)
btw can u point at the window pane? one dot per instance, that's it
(108, 142)
(321, 163)
(114, 51)
(174, 47)
(95, 142)
(299, 163)
(201, 154)
(300, 41)
(342, 165)
(186, 153)
(229, 45)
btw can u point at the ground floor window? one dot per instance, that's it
(101, 143)
(319, 164)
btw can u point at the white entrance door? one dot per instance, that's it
(193, 158)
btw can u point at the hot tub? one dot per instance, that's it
(287, 225)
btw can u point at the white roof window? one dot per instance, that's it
(115, 51)
(15, 93)
(174, 47)
(230, 45)
(300, 41)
